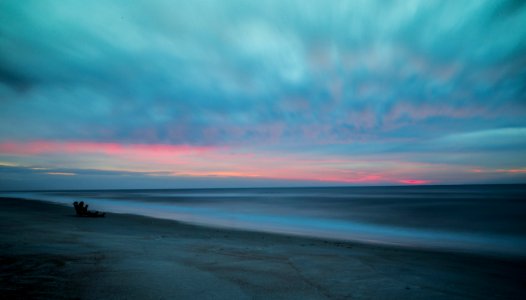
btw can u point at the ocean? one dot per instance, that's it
(487, 219)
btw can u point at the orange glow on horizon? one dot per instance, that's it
(61, 173)
(414, 181)
(508, 171)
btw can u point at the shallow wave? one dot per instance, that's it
(285, 218)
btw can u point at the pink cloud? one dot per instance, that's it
(512, 171)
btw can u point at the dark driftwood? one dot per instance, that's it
(82, 211)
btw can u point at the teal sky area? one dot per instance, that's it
(185, 94)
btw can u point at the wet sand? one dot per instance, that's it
(48, 253)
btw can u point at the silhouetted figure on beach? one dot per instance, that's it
(82, 210)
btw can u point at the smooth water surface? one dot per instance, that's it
(477, 218)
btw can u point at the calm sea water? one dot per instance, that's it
(488, 219)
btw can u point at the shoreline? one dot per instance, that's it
(430, 239)
(46, 252)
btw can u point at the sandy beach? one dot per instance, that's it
(48, 253)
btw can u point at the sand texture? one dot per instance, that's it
(48, 253)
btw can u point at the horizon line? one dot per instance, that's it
(269, 187)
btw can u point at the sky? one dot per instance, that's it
(192, 94)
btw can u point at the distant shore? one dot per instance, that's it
(47, 252)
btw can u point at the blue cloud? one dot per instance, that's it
(368, 75)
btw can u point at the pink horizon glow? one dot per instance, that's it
(200, 161)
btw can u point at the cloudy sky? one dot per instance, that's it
(160, 94)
